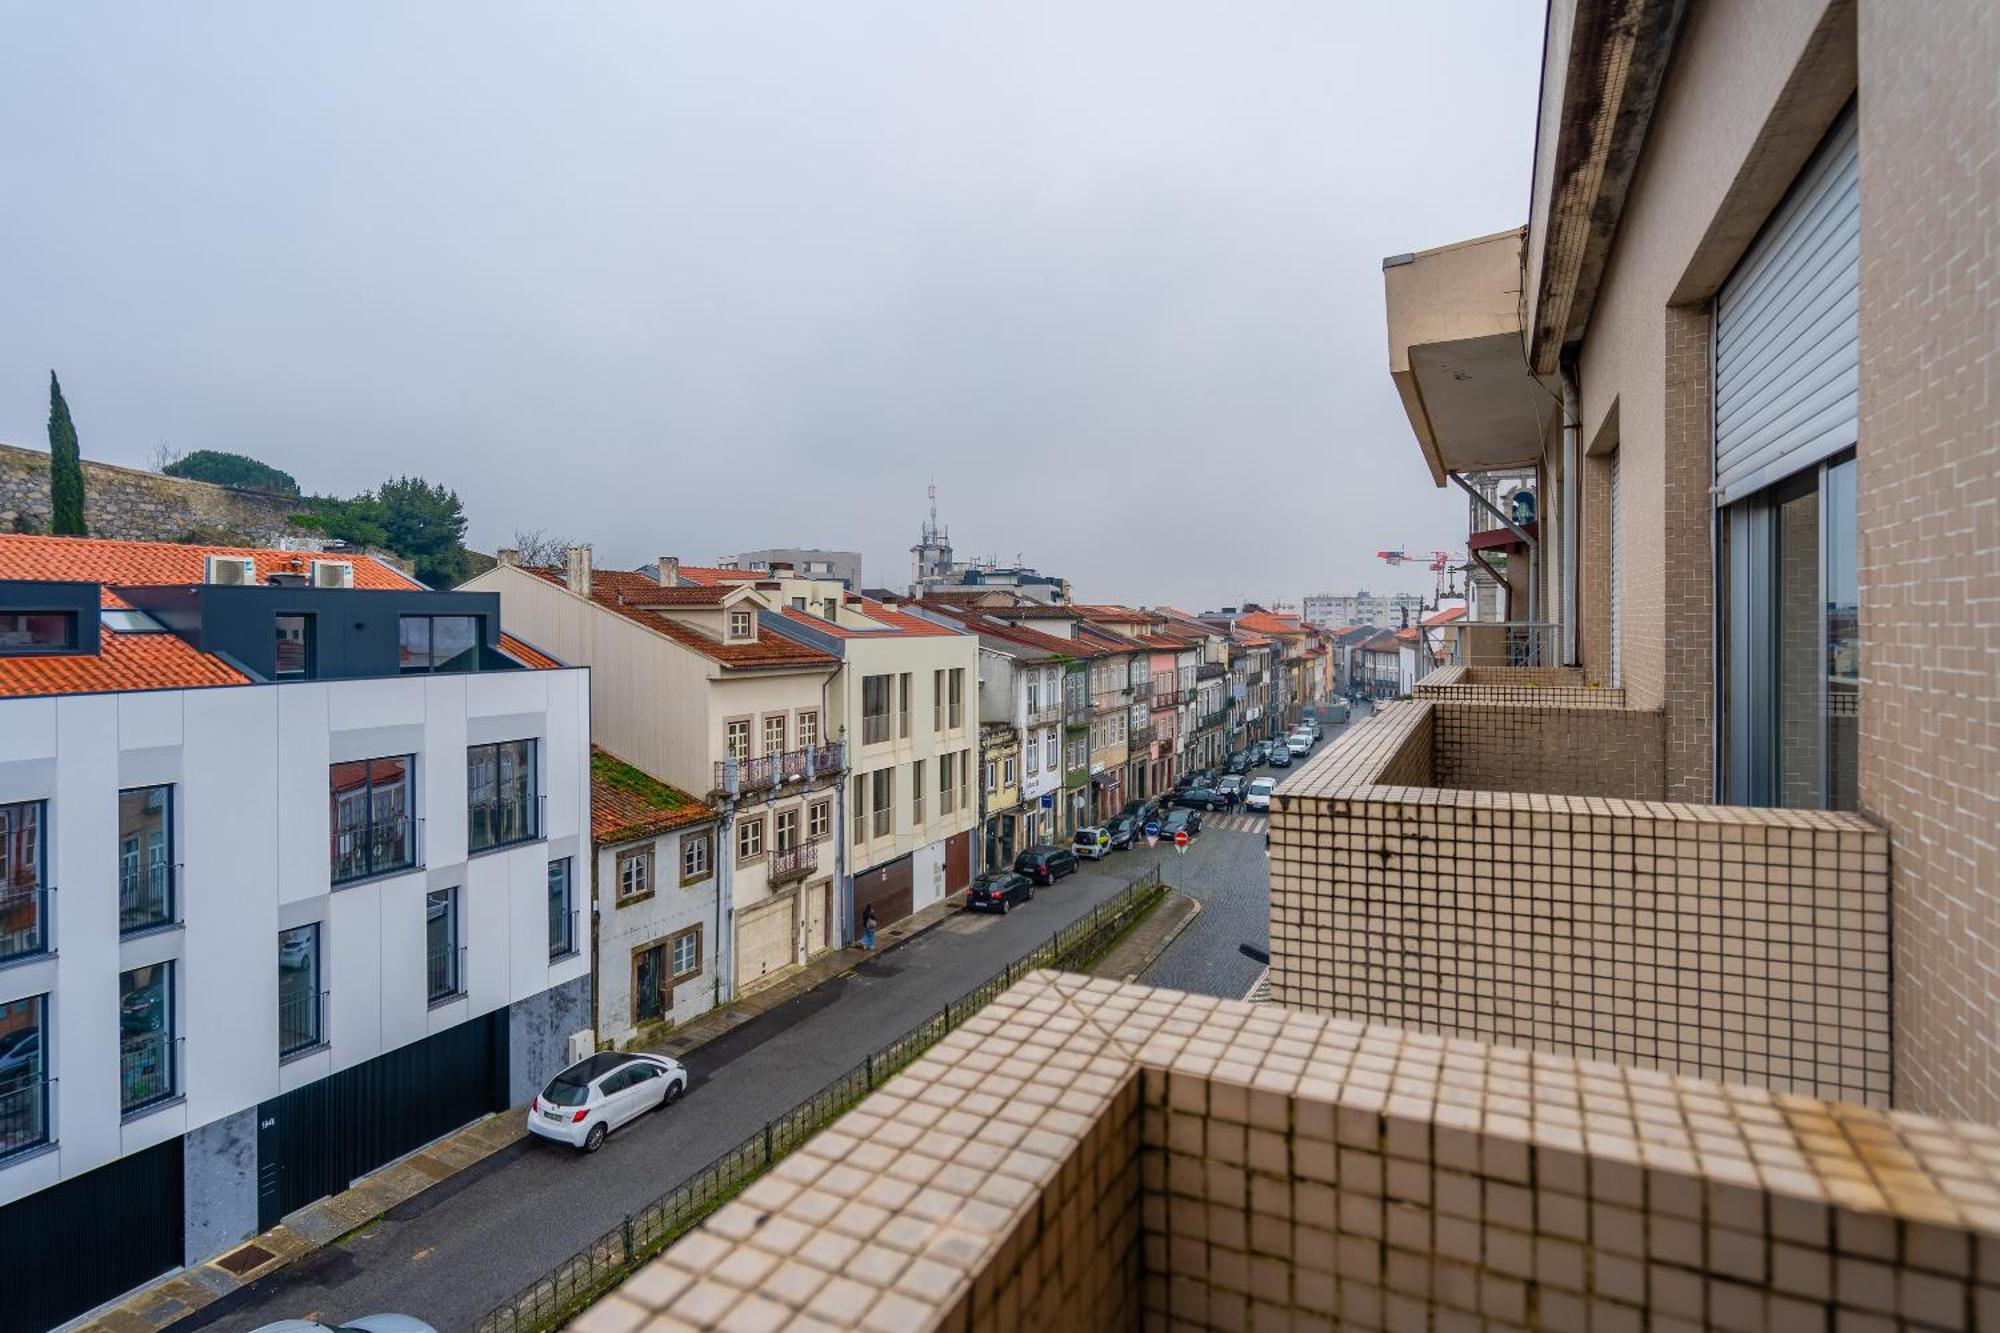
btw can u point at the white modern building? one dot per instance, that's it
(278, 835)
(1328, 610)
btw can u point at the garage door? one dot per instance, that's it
(958, 862)
(819, 911)
(133, 1209)
(888, 889)
(765, 937)
(1787, 325)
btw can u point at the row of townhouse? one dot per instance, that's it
(282, 839)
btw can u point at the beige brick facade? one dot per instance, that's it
(1929, 493)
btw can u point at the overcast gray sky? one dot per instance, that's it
(684, 278)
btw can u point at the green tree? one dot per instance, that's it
(65, 468)
(424, 524)
(226, 469)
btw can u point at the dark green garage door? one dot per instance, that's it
(316, 1140)
(130, 1211)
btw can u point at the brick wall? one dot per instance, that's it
(1592, 749)
(130, 505)
(1928, 493)
(1686, 606)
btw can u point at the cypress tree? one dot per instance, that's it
(65, 468)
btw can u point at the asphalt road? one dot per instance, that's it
(457, 1250)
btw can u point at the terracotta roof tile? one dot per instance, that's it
(96, 560)
(123, 662)
(628, 803)
(768, 650)
(704, 574)
(526, 653)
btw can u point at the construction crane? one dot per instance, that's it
(1437, 561)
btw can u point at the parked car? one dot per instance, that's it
(1142, 810)
(1232, 786)
(1201, 798)
(368, 1323)
(1123, 830)
(1190, 820)
(1258, 795)
(1281, 757)
(998, 891)
(584, 1103)
(1335, 712)
(1239, 762)
(1045, 864)
(1300, 744)
(1092, 842)
(1260, 753)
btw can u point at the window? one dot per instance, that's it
(295, 647)
(298, 990)
(917, 793)
(697, 855)
(146, 1036)
(501, 808)
(635, 874)
(749, 839)
(874, 709)
(1033, 755)
(145, 858)
(774, 733)
(737, 739)
(819, 818)
(882, 802)
(858, 807)
(964, 770)
(1007, 771)
(686, 954)
(38, 632)
(739, 625)
(442, 971)
(937, 700)
(562, 910)
(991, 775)
(24, 893)
(955, 698)
(945, 785)
(373, 832)
(903, 713)
(785, 830)
(809, 729)
(1034, 693)
(24, 1083)
(438, 643)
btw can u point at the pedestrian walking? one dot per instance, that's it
(868, 927)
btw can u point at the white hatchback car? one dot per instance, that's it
(1299, 743)
(585, 1102)
(1258, 795)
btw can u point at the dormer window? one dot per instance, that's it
(37, 632)
(740, 625)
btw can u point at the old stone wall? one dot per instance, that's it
(131, 505)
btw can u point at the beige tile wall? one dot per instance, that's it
(1296, 1171)
(1588, 748)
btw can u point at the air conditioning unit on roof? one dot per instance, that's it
(332, 574)
(235, 570)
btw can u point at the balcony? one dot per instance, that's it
(1494, 859)
(1210, 671)
(1044, 712)
(1139, 736)
(778, 770)
(1141, 691)
(1110, 701)
(794, 863)
(1212, 720)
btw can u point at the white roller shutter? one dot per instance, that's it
(1617, 675)
(1787, 363)
(765, 938)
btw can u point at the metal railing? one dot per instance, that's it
(1142, 690)
(444, 973)
(149, 1069)
(301, 1022)
(146, 899)
(379, 848)
(1210, 670)
(1044, 712)
(778, 770)
(25, 1111)
(794, 863)
(875, 728)
(579, 1280)
(24, 919)
(1492, 643)
(505, 821)
(1213, 719)
(1142, 735)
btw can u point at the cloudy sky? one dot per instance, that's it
(683, 278)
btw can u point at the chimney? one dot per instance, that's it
(507, 555)
(576, 570)
(670, 571)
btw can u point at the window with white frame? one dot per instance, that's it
(739, 625)
(774, 733)
(697, 856)
(808, 728)
(1032, 751)
(819, 818)
(737, 734)
(749, 839)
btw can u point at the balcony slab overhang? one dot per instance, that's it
(1457, 359)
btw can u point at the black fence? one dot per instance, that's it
(573, 1284)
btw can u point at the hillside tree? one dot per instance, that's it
(65, 467)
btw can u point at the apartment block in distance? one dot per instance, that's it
(1637, 971)
(278, 835)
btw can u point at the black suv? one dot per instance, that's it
(1201, 798)
(999, 891)
(1238, 764)
(1046, 865)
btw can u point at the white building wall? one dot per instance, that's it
(623, 930)
(249, 767)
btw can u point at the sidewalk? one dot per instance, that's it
(321, 1223)
(1146, 941)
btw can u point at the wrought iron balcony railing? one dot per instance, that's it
(794, 863)
(779, 770)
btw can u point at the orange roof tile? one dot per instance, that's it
(709, 574)
(627, 802)
(1445, 616)
(123, 662)
(96, 560)
(608, 587)
(526, 653)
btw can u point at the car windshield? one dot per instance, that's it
(563, 1092)
(1262, 785)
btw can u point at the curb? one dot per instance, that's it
(1171, 936)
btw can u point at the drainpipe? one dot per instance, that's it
(725, 888)
(1572, 430)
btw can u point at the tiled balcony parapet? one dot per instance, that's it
(1084, 1155)
(1718, 941)
(1535, 686)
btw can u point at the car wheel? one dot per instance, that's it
(1031, 893)
(1006, 906)
(595, 1138)
(674, 1091)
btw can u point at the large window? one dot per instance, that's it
(882, 801)
(874, 709)
(697, 854)
(37, 631)
(442, 958)
(24, 1084)
(635, 874)
(749, 839)
(774, 733)
(809, 729)
(299, 1016)
(501, 804)
(24, 894)
(819, 820)
(374, 831)
(438, 643)
(295, 647)
(1791, 679)
(146, 1072)
(562, 909)
(145, 858)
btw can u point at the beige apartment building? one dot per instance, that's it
(689, 683)
(1638, 972)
